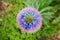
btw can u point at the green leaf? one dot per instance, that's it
(32, 3)
(56, 7)
(57, 20)
(49, 8)
(47, 16)
(38, 4)
(44, 3)
(46, 9)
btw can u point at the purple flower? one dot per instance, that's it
(29, 20)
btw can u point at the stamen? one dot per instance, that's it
(29, 18)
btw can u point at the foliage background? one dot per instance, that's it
(49, 9)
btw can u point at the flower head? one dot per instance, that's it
(29, 20)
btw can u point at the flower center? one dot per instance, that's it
(29, 18)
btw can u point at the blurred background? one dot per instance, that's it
(49, 9)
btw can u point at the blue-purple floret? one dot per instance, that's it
(33, 24)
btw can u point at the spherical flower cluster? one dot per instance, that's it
(29, 20)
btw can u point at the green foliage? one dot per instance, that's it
(47, 9)
(2, 34)
(57, 20)
(44, 3)
(40, 4)
(14, 1)
(35, 3)
(48, 12)
(47, 16)
(55, 2)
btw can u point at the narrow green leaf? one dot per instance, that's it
(32, 3)
(46, 9)
(56, 7)
(57, 20)
(44, 3)
(47, 16)
(50, 9)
